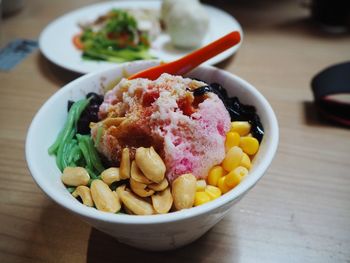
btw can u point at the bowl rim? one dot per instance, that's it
(95, 214)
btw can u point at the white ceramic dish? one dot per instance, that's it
(56, 39)
(155, 232)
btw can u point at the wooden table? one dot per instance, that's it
(300, 210)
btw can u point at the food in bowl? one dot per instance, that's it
(152, 147)
(155, 232)
(118, 36)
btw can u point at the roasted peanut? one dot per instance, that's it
(140, 189)
(137, 175)
(104, 198)
(162, 201)
(183, 191)
(116, 195)
(150, 163)
(125, 164)
(85, 195)
(111, 175)
(134, 203)
(160, 186)
(75, 176)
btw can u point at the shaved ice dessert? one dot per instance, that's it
(187, 129)
(156, 146)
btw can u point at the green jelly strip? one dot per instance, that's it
(98, 135)
(72, 119)
(72, 149)
(64, 142)
(63, 148)
(73, 154)
(71, 189)
(91, 156)
(85, 152)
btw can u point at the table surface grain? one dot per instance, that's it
(298, 212)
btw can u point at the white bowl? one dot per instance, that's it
(155, 232)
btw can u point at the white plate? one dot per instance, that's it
(56, 39)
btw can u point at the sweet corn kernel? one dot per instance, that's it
(234, 177)
(222, 185)
(242, 127)
(249, 145)
(232, 139)
(242, 171)
(200, 185)
(232, 159)
(245, 161)
(201, 198)
(213, 192)
(214, 174)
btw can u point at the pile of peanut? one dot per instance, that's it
(144, 190)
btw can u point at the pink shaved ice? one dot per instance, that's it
(189, 133)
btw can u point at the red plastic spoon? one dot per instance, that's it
(192, 60)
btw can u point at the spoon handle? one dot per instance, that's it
(192, 60)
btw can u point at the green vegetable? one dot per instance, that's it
(119, 39)
(119, 56)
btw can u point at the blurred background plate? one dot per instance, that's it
(56, 39)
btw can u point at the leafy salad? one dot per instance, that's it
(117, 36)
